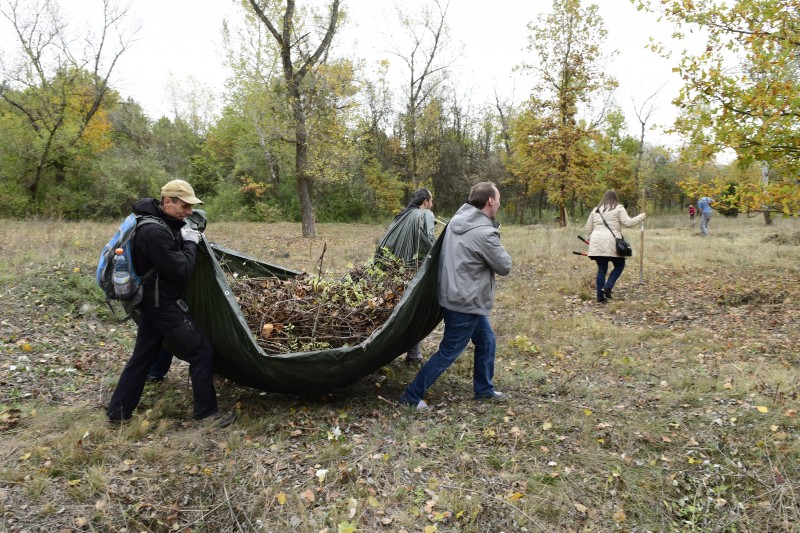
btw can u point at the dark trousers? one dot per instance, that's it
(157, 324)
(602, 269)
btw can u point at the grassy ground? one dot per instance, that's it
(673, 408)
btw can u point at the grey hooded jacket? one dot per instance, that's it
(471, 256)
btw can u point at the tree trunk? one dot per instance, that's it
(294, 77)
(304, 182)
(562, 208)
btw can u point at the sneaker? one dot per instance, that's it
(422, 406)
(495, 396)
(607, 294)
(413, 359)
(154, 379)
(219, 420)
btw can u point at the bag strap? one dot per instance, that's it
(149, 219)
(609, 227)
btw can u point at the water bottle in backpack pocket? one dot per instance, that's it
(123, 285)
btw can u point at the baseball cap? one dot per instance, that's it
(182, 190)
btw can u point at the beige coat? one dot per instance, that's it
(601, 242)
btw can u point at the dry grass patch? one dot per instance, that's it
(673, 408)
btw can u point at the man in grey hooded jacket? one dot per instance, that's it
(471, 256)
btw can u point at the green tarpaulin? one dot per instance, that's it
(407, 237)
(241, 359)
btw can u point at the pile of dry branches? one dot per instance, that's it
(307, 313)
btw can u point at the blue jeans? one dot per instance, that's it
(704, 220)
(602, 269)
(459, 329)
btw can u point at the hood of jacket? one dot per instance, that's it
(467, 218)
(150, 207)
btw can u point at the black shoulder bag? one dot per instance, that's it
(623, 247)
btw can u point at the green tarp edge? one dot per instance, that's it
(241, 359)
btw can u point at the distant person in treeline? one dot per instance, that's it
(603, 244)
(410, 238)
(692, 211)
(704, 205)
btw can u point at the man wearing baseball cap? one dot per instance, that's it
(164, 253)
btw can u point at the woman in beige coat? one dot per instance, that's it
(603, 244)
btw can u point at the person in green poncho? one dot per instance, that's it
(410, 237)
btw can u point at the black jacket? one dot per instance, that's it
(162, 247)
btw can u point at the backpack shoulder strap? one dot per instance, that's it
(149, 219)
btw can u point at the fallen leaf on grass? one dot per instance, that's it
(281, 497)
(762, 408)
(581, 508)
(307, 496)
(346, 527)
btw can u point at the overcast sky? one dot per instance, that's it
(182, 38)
